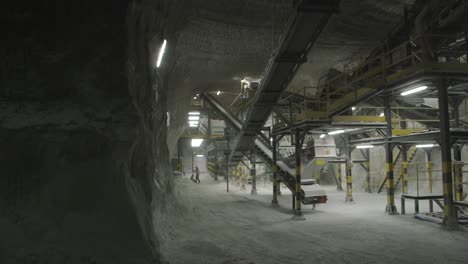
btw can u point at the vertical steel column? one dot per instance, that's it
(340, 178)
(391, 208)
(274, 171)
(450, 214)
(457, 155)
(298, 191)
(253, 171)
(458, 173)
(179, 163)
(404, 158)
(227, 171)
(429, 177)
(349, 181)
(368, 175)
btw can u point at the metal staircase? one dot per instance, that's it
(398, 167)
(411, 154)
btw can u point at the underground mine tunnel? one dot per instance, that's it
(234, 132)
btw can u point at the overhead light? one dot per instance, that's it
(415, 90)
(364, 146)
(382, 114)
(194, 118)
(161, 53)
(425, 146)
(323, 136)
(247, 82)
(200, 156)
(218, 92)
(194, 98)
(193, 125)
(336, 132)
(353, 108)
(193, 122)
(196, 142)
(194, 113)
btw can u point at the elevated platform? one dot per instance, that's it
(418, 197)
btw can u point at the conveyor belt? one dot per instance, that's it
(312, 193)
(302, 30)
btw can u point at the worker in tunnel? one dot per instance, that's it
(197, 175)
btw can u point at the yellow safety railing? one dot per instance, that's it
(361, 76)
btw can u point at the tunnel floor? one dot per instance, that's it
(237, 227)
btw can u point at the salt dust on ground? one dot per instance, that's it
(237, 227)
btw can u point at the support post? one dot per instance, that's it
(450, 214)
(274, 201)
(253, 171)
(179, 163)
(391, 208)
(298, 191)
(340, 178)
(457, 155)
(368, 174)
(458, 173)
(227, 171)
(349, 182)
(429, 177)
(405, 163)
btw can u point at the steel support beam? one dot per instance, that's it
(274, 170)
(457, 151)
(349, 182)
(429, 176)
(450, 214)
(298, 190)
(391, 208)
(404, 158)
(368, 174)
(349, 169)
(340, 178)
(253, 171)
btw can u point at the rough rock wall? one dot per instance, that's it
(83, 158)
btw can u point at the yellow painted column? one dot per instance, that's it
(349, 182)
(405, 177)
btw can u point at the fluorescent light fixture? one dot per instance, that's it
(200, 156)
(193, 122)
(336, 132)
(353, 108)
(425, 146)
(382, 114)
(196, 142)
(194, 118)
(415, 90)
(218, 92)
(364, 146)
(194, 113)
(193, 125)
(323, 136)
(161, 53)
